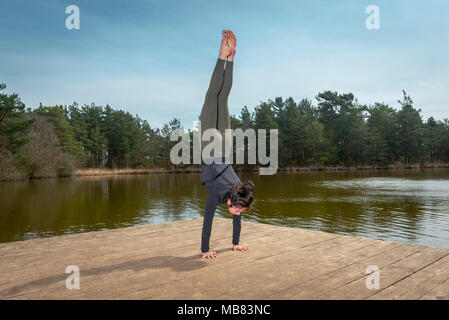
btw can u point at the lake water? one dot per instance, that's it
(407, 206)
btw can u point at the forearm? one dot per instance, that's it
(207, 223)
(236, 227)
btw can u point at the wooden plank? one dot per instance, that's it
(440, 292)
(418, 283)
(233, 274)
(163, 262)
(63, 240)
(98, 260)
(131, 277)
(91, 256)
(312, 242)
(321, 286)
(389, 274)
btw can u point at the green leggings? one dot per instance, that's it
(215, 112)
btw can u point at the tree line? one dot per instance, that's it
(340, 131)
(337, 130)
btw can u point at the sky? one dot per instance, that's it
(155, 58)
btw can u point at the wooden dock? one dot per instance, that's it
(162, 261)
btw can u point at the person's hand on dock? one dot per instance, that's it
(240, 248)
(209, 255)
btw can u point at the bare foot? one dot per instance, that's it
(225, 51)
(232, 44)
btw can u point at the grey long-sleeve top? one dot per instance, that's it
(218, 179)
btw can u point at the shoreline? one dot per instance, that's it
(197, 169)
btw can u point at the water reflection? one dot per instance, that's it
(408, 206)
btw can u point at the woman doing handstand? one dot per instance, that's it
(222, 184)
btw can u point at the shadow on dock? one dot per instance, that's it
(179, 264)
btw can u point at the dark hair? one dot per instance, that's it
(241, 195)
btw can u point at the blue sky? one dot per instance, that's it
(155, 58)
